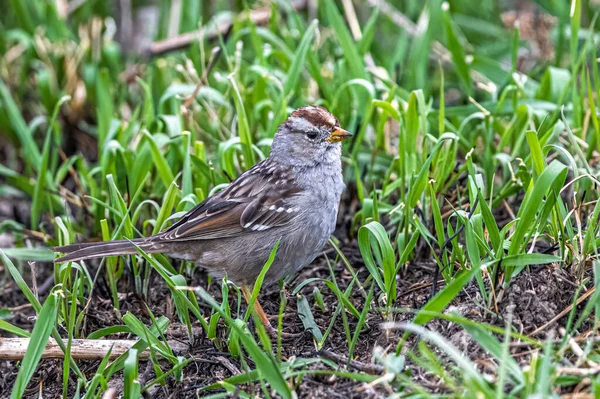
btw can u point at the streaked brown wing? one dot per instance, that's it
(208, 220)
(268, 211)
(257, 201)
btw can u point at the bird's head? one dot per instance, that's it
(310, 136)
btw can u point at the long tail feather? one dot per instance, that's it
(81, 251)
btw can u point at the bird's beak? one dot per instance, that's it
(338, 135)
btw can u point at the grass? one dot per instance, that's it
(476, 153)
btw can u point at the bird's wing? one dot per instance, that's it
(258, 200)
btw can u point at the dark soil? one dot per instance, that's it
(533, 299)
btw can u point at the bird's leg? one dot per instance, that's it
(259, 311)
(264, 318)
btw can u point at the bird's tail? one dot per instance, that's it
(81, 251)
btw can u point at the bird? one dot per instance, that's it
(290, 199)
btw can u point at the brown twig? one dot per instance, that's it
(38, 235)
(418, 287)
(21, 307)
(214, 57)
(15, 348)
(581, 372)
(354, 25)
(448, 213)
(179, 42)
(360, 366)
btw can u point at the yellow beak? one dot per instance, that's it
(338, 135)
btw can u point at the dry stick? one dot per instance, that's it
(214, 57)
(355, 29)
(181, 41)
(360, 366)
(464, 207)
(521, 344)
(15, 348)
(35, 235)
(578, 371)
(576, 349)
(352, 19)
(563, 313)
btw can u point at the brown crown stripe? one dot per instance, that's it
(316, 115)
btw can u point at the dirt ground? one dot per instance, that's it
(533, 299)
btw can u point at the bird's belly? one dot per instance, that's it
(301, 245)
(242, 258)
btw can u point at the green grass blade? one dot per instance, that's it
(265, 364)
(351, 54)
(307, 318)
(552, 178)
(373, 240)
(37, 343)
(243, 125)
(38, 195)
(105, 108)
(14, 272)
(31, 152)
(259, 280)
(457, 50)
(495, 348)
(6, 326)
(466, 366)
(299, 60)
(132, 387)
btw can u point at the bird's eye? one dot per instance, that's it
(311, 135)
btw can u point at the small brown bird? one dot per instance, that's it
(291, 197)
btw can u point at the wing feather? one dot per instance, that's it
(260, 199)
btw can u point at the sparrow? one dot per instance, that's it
(292, 197)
